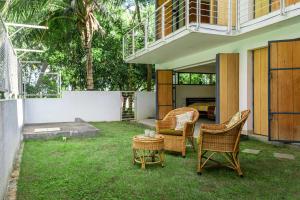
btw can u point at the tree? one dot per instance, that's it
(139, 19)
(82, 12)
(64, 44)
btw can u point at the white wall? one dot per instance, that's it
(87, 105)
(11, 123)
(189, 91)
(145, 105)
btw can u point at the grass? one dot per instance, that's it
(101, 168)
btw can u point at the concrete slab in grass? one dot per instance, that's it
(251, 151)
(52, 130)
(284, 156)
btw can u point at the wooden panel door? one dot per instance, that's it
(262, 7)
(291, 2)
(164, 92)
(228, 85)
(275, 5)
(205, 12)
(284, 87)
(222, 12)
(260, 107)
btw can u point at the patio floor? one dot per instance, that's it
(101, 168)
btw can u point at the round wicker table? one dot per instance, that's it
(148, 150)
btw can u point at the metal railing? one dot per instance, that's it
(128, 105)
(248, 10)
(175, 15)
(41, 84)
(10, 74)
(218, 15)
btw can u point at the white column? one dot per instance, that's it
(246, 85)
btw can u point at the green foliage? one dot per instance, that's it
(63, 43)
(196, 79)
(46, 84)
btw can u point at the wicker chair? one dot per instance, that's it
(217, 138)
(176, 140)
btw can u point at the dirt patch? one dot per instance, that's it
(11, 193)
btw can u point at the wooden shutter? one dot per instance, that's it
(284, 88)
(260, 91)
(222, 12)
(262, 7)
(227, 85)
(164, 92)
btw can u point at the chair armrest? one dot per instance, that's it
(163, 124)
(213, 126)
(188, 129)
(212, 132)
(203, 132)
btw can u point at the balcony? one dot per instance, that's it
(181, 27)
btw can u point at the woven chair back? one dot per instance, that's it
(178, 111)
(228, 141)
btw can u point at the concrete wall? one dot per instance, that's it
(11, 123)
(244, 48)
(87, 105)
(145, 105)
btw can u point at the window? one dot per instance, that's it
(186, 78)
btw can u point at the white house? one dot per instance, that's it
(228, 55)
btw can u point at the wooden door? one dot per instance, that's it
(227, 85)
(262, 7)
(164, 92)
(284, 87)
(222, 12)
(290, 2)
(275, 5)
(260, 91)
(178, 9)
(205, 12)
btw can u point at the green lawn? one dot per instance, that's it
(101, 168)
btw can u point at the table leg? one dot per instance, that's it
(153, 153)
(134, 156)
(143, 160)
(162, 158)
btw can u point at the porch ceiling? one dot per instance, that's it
(185, 44)
(188, 42)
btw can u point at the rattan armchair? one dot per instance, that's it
(217, 138)
(176, 140)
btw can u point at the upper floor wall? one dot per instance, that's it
(181, 27)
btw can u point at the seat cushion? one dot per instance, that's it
(236, 118)
(170, 132)
(182, 119)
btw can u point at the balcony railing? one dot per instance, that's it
(174, 16)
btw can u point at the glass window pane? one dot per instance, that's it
(213, 79)
(195, 79)
(184, 78)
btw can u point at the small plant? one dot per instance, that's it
(64, 139)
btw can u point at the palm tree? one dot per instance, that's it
(82, 12)
(87, 25)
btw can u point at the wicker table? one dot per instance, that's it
(148, 150)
